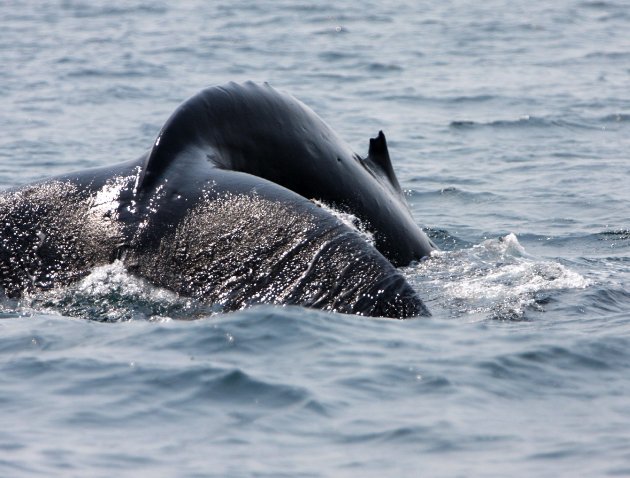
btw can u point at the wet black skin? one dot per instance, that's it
(226, 208)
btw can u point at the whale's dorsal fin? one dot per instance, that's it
(378, 156)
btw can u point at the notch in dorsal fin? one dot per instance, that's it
(378, 155)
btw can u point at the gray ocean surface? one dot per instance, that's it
(509, 129)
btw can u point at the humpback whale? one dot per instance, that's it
(237, 203)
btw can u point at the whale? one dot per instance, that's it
(246, 197)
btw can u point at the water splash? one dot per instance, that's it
(496, 279)
(111, 294)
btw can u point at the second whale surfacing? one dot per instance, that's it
(225, 208)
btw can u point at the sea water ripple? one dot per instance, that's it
(508, 128)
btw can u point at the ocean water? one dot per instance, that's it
(509, 129)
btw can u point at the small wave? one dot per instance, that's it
(137, 70)
(111, 294)
(526, 121)
(455, 193)
(609, 299)
(617, 240)
(236, 386)
(335, 56)
(125, 92)
(496, 279)
(470, 197)
(91, 11)
(597, 5)
(383, 67)
(618, 235)
(551, 368)
(412, 96)
(445, 240)
(403, 435)
(472, 99)
(608, 55)
(616, 118)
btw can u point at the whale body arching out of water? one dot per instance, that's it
(226, 208)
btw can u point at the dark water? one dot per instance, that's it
(509, 127)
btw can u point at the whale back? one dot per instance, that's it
(258, 130)
(232, 240)
(221, 210)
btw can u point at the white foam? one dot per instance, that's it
(497, 278)
(111, 293)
